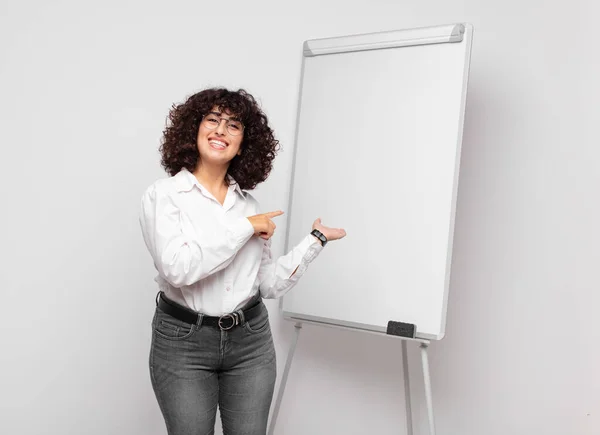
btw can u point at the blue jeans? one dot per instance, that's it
(195, 368)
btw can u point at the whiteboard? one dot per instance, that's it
(377, 152)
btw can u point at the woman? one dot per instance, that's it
(211, 342)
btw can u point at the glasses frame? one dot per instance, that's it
(227, 124)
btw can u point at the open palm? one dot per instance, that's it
(330, 233)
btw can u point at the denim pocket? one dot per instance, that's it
(171, 328)
(259, 323)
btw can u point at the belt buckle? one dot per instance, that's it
(234, 321)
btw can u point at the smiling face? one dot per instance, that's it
(220, 136)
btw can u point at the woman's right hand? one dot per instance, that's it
(263, 225)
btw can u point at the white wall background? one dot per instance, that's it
(84, 91)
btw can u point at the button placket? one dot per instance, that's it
(228, 204)
(228, 286)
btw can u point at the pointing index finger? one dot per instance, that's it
(274, 213)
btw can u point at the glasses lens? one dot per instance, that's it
(234, 127)
(212, 121)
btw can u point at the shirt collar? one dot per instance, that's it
(185, 181)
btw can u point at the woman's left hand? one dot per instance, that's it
(330, 233)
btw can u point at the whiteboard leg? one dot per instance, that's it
(286, 371)
(407, 400)
(428, 395)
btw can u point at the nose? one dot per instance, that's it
(222, 128)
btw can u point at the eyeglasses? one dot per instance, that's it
(212, 120)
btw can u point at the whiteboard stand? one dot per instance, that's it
(424, 346)
(416, 80)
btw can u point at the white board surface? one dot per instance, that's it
(377, 152)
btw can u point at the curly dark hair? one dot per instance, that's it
(179, 148)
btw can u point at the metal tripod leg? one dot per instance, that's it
(407, 399)
(286, 372)
(428, 395)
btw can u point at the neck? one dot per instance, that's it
(211, 177)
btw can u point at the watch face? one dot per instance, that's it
(320, 236)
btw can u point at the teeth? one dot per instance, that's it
(218, 143)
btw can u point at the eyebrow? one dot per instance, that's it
(232, 118)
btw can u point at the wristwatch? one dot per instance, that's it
(319, 235)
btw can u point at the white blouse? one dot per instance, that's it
(206, 254)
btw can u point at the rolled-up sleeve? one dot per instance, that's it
(277, 277)
(182, 259)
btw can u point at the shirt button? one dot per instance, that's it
(228, 288)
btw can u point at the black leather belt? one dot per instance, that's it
(224, 322)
